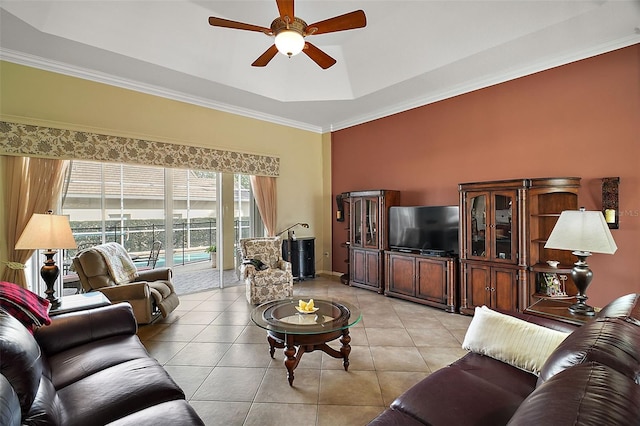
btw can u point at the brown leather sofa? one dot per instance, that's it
(591, 378)
(85, 368)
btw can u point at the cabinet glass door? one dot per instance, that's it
(477, 222)
(504, 235)
(371, 222)
(356, 228)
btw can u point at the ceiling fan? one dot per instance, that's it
(290, 31)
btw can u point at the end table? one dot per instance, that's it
(80, 302)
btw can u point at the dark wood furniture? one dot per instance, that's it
(301, 253)
(503, 231)
(368, 239)
(423, 279)
(298, 333)
(557, 309)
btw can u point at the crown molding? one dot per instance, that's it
(72, 71)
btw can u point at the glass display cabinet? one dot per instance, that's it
(503, 231)
(369, 234)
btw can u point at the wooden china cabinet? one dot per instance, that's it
(503, 231)
(368, 236)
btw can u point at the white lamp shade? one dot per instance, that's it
(289, 42)
(582, 230)
(46, 231)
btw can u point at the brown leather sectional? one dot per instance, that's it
(85, 368)
(592, 378)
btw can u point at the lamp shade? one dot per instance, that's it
(582, 230)
(289, 42)
(46, 231)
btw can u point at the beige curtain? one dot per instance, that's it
(264, 191)
(31, 185)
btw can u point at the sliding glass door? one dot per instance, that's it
(196, 216)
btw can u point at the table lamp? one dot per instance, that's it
(584, 232)
(51, 232)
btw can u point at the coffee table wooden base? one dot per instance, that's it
(296, 345)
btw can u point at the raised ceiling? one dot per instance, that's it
(411, 53)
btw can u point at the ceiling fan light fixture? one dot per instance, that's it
(289, 42)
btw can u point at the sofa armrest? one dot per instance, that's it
(77, 328)
(155, 274)
(124, 292)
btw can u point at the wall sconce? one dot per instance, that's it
(610, 201)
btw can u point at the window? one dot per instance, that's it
(137, 205)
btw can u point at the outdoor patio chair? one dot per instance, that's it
(266, 275)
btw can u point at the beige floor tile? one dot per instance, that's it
(147, 331)
(263, 414)
(217, 413)
(202, 354)
(221, 358)
(394, 383)
(247, 355)
(433, 337)
(213, 304)
(419, 321)
(197, 317)
(178, 333)
(357, 387)
(275, 387)
(232, 318)
(380, 320)
(163, 351)
(388, 337)
(437, 358)
(188, 377)
(358, 335)
(397, 358)
(187, 305)
(346, 415)
(201, 295)
(253, 334)
(230, 384)
(219, 333)
(360, 359)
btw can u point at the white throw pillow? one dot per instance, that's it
(517, 342)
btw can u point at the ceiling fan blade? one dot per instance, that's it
(318, 56)
(348, 21)
(285, 7)
(265, 57)
(219, 22)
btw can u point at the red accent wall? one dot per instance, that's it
(580, 119)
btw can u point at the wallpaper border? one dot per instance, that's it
(31, 140)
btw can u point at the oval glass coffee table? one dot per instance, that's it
(299, 332)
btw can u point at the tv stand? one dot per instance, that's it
(429, 280)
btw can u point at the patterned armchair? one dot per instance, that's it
(272, 283)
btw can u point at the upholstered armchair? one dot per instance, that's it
(266, 275)
(108, 268)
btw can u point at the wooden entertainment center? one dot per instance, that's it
(368, 236)
(502, 264)
(429, 280)
(504, 226)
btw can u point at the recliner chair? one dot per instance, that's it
(272, 283)
(150, 292)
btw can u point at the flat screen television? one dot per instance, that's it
(424, 229)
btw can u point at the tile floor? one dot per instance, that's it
(221, 359)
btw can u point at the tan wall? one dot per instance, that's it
(581, 119)
(38, 97)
